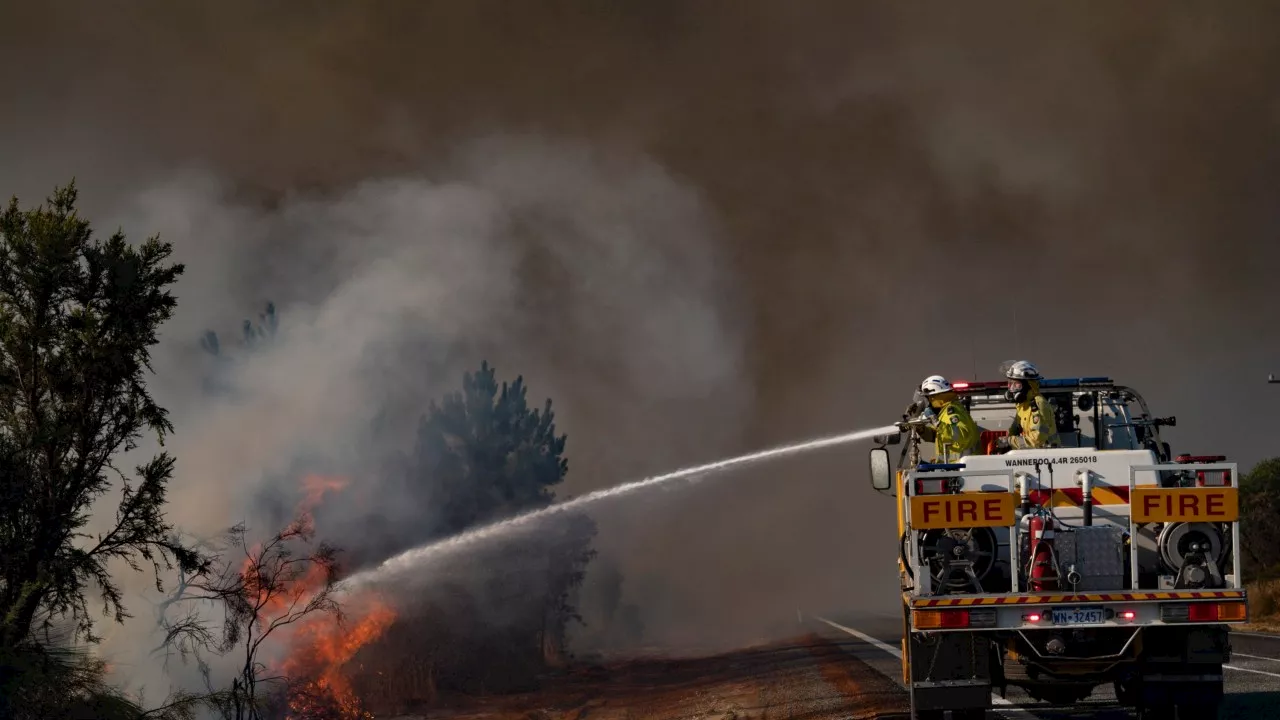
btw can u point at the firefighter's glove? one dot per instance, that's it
(1003, 444)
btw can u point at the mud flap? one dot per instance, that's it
(1182, 667)
(950, 671)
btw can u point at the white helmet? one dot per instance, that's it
(934, 385)
(1022, 370)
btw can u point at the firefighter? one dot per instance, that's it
(951, 428)
(1034, 425)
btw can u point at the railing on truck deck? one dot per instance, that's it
(951, 510)
(1148, 504)
(1209, 503)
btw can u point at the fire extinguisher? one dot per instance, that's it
(1040, 532)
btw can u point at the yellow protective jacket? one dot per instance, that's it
(956, 434)
(1034, 425)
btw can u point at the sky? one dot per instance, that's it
(701, 229)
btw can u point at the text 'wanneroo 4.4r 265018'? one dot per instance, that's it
(1104, 561)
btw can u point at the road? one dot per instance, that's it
(1252, 678)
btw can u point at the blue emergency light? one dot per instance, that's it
(1074, 382)
(940, 466)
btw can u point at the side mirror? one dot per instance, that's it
(881, 472)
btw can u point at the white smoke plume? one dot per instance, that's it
(600, 279)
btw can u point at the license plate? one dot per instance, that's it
(1078, 616)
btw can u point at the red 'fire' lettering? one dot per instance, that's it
(1149, 504)
(929, 508)
(1213, 504)
(1187, 504)
(967, 508)
(991, 509)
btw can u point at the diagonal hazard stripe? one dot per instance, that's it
(1074, 497)
(965, 601)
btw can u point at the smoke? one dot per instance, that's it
(701, 229)
(595, 277)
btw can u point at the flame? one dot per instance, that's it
(314, 488)
(319, 646)
(322, 648)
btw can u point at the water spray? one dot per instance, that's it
(417, 556)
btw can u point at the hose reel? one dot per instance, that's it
(1195, 552)
(959, 559)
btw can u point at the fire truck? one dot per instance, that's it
(1106, 561)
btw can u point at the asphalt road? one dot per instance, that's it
(1252, 678)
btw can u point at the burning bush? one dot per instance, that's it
(320, 649)
(482, 455)
(278, 597)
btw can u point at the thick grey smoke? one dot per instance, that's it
(389, 291)
(898, 192)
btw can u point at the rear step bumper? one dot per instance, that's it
(968, 613)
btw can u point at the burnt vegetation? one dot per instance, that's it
(78, 318)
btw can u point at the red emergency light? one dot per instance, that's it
(1207, 478)
(1189, 459)
(965, 385)
(934, 486)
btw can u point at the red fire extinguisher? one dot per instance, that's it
(1040, 532)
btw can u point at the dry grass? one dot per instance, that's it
(804, 679)
(1264, 606)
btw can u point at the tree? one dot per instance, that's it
(1260, 519)
(262, 589)
(482, 455)
(78, 316)
(253, 336)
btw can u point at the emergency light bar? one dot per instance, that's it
(1047, 383)
(1071, 382)
(1207, 478)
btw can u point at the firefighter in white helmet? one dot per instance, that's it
(951, 428)
(1034, 425)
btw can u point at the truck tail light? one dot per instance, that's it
(1126, 614)
(940, 619)
(1204, 612)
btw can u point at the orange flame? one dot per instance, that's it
(319, 646)
(314, 488)
(322, 649)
